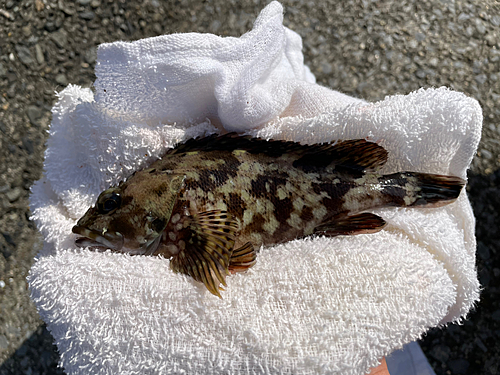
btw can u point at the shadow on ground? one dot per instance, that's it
(477, 341)
(36, 356)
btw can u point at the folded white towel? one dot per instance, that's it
(318, 305)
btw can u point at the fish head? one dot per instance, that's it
(132, 216)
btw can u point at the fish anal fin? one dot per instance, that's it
(242, 258)
(349, 225)
(209, 246)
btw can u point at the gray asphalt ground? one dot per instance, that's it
(365, 48)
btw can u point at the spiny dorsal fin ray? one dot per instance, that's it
(208, 249)
(357, 154)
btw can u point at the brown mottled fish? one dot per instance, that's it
(210, 203)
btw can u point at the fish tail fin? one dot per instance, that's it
(433, 190)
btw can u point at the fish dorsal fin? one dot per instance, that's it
(206, 257)
(356, 154)
(234, 141)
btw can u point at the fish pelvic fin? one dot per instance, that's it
(349, 225)
(209, 247)
(242, 258)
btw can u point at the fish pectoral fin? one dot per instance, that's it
(242, 258)
(349, 225)
(208, 251)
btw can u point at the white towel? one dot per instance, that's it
(311, 306)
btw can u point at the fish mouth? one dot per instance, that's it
(90, 238)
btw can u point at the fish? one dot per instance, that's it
(209, 204)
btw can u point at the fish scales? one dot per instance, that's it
(209, 204)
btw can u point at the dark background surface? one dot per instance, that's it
(364, 48)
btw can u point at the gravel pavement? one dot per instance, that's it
(364, 48)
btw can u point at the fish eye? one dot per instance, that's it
(109, 202)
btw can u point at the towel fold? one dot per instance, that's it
(310, 306)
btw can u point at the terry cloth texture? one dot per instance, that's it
(310, 306)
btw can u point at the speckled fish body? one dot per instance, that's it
(210, 203)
